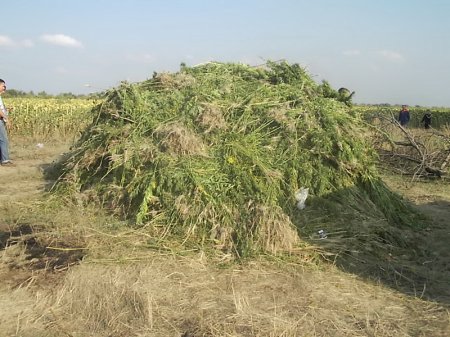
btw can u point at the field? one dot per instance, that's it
(49, 118)
(70, 269)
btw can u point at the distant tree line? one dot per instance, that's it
(387, 105)
(43, 94)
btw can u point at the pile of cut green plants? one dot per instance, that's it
(219, 155)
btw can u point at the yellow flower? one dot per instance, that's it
(231, 160)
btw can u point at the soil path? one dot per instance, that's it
(25, 178)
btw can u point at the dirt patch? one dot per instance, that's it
(25, 255)
(40, 255)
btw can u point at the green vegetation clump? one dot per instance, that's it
(216, 153)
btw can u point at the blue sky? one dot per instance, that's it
(387, 51)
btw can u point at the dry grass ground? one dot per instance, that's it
(71, 272)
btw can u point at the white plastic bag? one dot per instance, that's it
(322, 234)
(301, 196)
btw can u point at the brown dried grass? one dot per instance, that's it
(174, 81)
(176, 296)
(274, 231)
(211, 118)
(177, 139)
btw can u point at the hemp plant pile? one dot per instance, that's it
(215, 154)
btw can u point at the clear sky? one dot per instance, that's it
(388, 51)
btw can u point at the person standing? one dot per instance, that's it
(426, 119)
(4, 125)
(403, 116)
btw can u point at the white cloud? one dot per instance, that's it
(61, 40)
(391, 55)
(352, 52)
(5, 41)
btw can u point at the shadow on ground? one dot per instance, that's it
(415, 261)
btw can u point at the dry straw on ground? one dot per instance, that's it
(189, 297)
